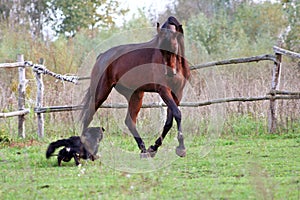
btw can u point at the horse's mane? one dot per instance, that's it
(173, 21)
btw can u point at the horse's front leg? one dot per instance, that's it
(173, 111)
(180, 150)
(168, 125)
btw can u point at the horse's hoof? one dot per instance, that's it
(145, 155)
(151, 151)
(180, 151)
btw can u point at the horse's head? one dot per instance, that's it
(171, 44)
(168, 38)
(171, 36)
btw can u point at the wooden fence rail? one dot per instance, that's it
(182, 104)
(236, 61)
(12, 65)
(272, 96)
(14, 113)
(285, 52)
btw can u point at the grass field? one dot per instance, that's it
(235, 167)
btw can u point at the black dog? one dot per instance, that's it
(75, 147)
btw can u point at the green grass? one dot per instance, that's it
(236, 167)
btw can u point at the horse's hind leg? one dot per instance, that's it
(134, 105)
(97, 97)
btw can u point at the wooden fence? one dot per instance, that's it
(22, 111)
(273, 95)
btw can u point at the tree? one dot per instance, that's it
(36, 10)
(241, 26)
(291, 35)
(5, 9)
(69, 16)
(25, 13)
(64, 17)
(184, 10)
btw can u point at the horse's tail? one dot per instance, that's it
(85, 112)
(72, 141)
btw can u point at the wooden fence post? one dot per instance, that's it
(21, 98)
(272, 121)
(39, 100)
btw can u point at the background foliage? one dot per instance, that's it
(64, 36)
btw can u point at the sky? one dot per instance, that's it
(157, 5)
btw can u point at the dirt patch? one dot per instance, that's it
(27, 143)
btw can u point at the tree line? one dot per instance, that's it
(214, 30)
(245, 27)
(64, 17)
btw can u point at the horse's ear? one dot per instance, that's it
(180, 29)
(157, 27)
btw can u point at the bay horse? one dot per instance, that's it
(156, 66)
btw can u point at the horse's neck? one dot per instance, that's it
(106, 58)
(154, 43)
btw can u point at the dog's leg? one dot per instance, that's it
(59, 159)
(76, 158)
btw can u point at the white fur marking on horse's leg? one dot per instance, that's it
(174, 69)
(166, 68)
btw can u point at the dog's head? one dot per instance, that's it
(91, 138)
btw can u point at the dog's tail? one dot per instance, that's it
(59, 143)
